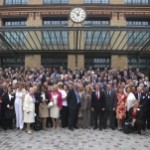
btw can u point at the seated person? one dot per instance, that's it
(136, 116)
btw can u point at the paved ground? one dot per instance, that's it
(81, 139)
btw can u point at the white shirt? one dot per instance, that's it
(130, 100)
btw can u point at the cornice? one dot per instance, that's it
(63, 10)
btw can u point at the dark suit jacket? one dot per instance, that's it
(72, 100)
(143, 100)
(139, 114)
(8, 101)
(100, 103)
(8, 113)
(111, 100)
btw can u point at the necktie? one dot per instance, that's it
(139, 96)
(97, 95)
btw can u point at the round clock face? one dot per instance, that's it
(77, 14)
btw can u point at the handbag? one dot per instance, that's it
(127, 127)
(50, 104)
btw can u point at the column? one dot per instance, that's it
(75, 61)
(1, 2)
(116, 1)
(117, 60)
(35, 2)
(32, 61)
(76, 39)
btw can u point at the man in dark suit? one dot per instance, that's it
(141, 96)
(74, 101)
(3, 90)
(98, 106)
(111, 103)
(8, 107)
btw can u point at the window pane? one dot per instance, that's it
(16, 38)
(97, 1)
(97, 37)
(55, 1)
(137, 37)
(14, 2)
(55, 37)
(144, 2)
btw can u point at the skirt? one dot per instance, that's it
(43, 110)
(54, 112)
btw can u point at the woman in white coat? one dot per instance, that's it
(29, 109)
(20, 94)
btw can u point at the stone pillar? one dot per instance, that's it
(71, 61)
(1, 2)
(75, 61)
(35, 2)
(119, 61)
(1, 22)
(76, 1)
(32, 61)
(81, 61)
(116, 1)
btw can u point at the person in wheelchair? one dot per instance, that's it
(136, 117)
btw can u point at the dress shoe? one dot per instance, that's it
(71, 129)
(95, 128)
(76, 127)
(100, 129)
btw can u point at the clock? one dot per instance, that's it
(78, 14)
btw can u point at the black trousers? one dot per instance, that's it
(109, 116)
(148, 119)
(99, 116)
(73, 117)
(7, 124)
(64, 116)
(138, 125)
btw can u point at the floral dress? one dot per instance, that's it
(121, 106)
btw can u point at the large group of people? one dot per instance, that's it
(83, 98)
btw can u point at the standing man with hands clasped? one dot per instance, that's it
(111, 103)
(98, 106)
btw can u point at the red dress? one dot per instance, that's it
(121, 106)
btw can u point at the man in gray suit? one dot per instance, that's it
(111, 103)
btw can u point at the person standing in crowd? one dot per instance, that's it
(37, 96)
(19, 99)
(121, 108)
(140, 95)
(86, 106)
(98, 106)
(3, 91)
(64, 110)
(29, 109)
(136, 116)
(147, 105)
(74, 103)
(56, 98)
(130, 97)
(111, 103)
(80, 116)
(9, 114)
(144, 103)
(43, 106)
